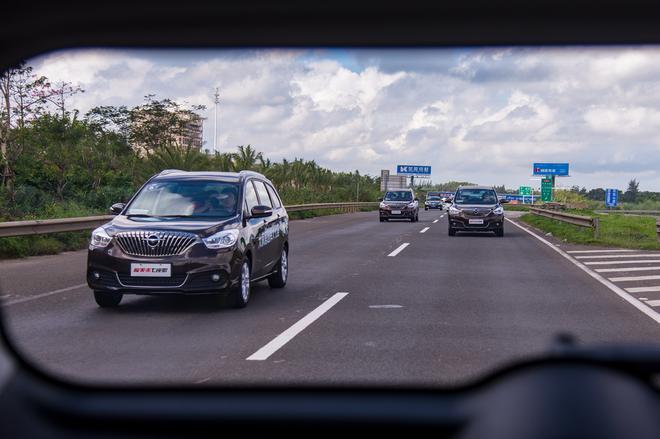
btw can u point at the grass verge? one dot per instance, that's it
(615, 230)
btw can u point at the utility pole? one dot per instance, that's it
(215, 121)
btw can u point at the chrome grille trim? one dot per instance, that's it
(170, 243)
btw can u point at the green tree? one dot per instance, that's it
(631, 193)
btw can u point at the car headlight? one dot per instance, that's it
(454, 211)
(498, 210)
(383, 206)
(411, 205)
(223, 239)
(100, 238)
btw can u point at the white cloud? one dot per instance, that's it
(477, 115)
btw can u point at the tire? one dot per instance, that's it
(451, 232)
(107, 299)
(417, 217)
(426, 208)
(278, 279)
(499, 232)
(239, 295)
(382, 220)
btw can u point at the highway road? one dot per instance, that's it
(367, 302)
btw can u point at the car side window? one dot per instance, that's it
(274, 197)
(250, 196)
(264, 199)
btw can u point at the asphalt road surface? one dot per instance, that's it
(367, 302)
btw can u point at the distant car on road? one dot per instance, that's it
(399, 204)
(476, 208)
(192, 233)
(433, 202)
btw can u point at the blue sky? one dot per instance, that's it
(481, 115)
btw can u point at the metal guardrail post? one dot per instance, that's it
(596, 222)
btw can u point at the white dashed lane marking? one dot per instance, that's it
(424, 230)
(399, 249)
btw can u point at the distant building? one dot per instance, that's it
(183, 129)
(191, 137)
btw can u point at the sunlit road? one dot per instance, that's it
(360, 306)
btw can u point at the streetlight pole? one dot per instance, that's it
(215, 121)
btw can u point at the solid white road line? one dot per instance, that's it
(424, 230)
(653, 302)
(600, 251)
(435, 221)
(621, 262)
(615, 289)
(399, 249)
(275, 344)
(634, 278)
(643, 289)
(615, 270)
(641, 255)
(39, 296)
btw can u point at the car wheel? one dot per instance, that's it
(382, 220)
(499, 232)
(240, 294)
(451, 232)
(278, 279)
(426, 208)
(107, 299)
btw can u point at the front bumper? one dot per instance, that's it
(462, 222)
(405, 213)
(108, 269)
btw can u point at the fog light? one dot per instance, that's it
(215, 277)
(96, 275)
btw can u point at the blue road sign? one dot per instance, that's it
(560, 169)
(611, 197)
(413, 170)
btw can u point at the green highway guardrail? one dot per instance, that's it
(577, 220)
(38, 227)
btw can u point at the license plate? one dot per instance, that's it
(476, 221)
(396, 212)
(151, 270)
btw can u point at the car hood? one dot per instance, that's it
(203, 228)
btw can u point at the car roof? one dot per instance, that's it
(177, 174)
(477, 187)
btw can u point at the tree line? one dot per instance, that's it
(55, 161)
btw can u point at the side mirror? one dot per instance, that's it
(116, 208)
(380, 199)
(416, 199)
(261, 212)
(503, 201)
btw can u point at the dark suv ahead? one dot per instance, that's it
(399, 204)
(475, 208)
(192, 233)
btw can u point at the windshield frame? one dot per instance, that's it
(473, 190)
(202, 217)
(386, 198)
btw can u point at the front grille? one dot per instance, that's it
(156, 243)
(175, 280)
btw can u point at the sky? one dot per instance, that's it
(482, 115)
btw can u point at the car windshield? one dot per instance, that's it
(147, 195)
(475, 196)
(398, 196)
(193, 199)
